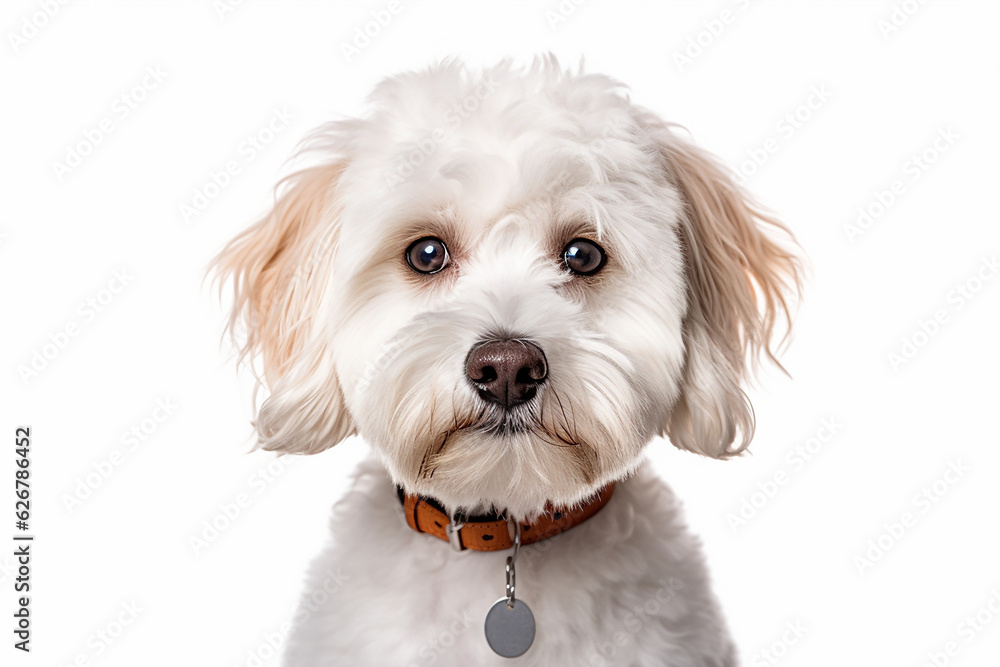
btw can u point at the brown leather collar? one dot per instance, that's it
(495, 533)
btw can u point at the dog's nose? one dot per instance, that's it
(506, 372)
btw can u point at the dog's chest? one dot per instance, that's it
(608, 592)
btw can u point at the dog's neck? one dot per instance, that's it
(494, 532)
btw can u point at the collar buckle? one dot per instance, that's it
(453, 530)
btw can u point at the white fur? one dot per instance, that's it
(627, 588)
(507, 166)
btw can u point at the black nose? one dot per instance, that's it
(506, 372)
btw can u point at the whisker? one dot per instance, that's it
(582, 450)
(542, 427)
(433, 454)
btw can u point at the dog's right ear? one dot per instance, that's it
(279, 269)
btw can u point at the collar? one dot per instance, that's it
(494, 532)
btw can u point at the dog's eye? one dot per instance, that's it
(427, 255)
(584, 257)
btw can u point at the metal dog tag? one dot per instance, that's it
(510, 631)
(510, 625)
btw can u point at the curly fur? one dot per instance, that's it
(506, 166)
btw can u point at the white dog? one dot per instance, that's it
(508, 282)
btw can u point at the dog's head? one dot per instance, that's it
(508, 282)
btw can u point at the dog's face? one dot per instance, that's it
(508, 283)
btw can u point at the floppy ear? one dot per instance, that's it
(738, 278)
(280, 270)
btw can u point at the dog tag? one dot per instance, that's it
(510, 630)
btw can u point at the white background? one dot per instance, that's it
(886, 96)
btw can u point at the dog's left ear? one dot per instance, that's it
(739, 278)
(280, 273)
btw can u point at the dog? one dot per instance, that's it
(508, 281)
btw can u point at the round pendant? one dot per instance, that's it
(510, 631)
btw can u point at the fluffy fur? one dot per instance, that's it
(507, 166)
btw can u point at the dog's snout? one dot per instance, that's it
(506, 372)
